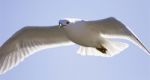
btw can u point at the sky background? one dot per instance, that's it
(63, 63)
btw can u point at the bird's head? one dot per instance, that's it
(67, 21)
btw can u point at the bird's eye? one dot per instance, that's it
(67, 22)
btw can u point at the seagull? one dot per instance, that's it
(95, 38)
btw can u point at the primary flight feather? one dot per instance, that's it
(94, 38)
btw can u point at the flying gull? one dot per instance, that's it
(96, 38)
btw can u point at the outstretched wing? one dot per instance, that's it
(27, 41)
(113, 28)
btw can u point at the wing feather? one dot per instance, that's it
(28, 41)
(113, 28)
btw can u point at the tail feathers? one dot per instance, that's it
(113, 48)
(89, 51)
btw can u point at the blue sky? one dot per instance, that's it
(63, 63)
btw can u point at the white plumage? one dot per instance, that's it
(28, 41)
(95, 38)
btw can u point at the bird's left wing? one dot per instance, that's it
(27, 41)
(113, 28)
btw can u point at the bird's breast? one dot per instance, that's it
(81, 34)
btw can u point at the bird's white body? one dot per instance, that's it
(82, 35)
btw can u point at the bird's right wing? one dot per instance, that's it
(27, 41)
(113, 28)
